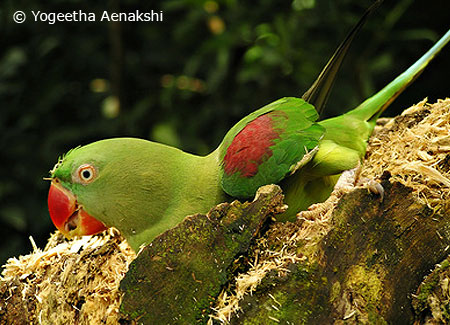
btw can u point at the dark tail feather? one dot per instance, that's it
(318, 93)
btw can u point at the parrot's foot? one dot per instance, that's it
(345, 184)
(348, 180)
(372, 186)
(375, 188)
(351, 178)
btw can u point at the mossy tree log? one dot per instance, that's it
(176, 278)
(366, 267)
(378, 252)
(371, 262)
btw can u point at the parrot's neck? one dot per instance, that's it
(195, 189)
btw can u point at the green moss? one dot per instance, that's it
(446, 311)
(293, 300)
(429, 286)
(375, 318)
(335, 291)
(366, 282)
(432, 286)
(372, 259)
(185, 268)
(444, 265)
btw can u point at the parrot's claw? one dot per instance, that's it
(348, 179)
(351, 178)
(375, 188)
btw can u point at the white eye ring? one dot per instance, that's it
(86, 174)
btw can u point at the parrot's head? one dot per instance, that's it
(114, 182)
(71, 178)
(67, 213)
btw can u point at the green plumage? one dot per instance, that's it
(298, 134)
(143, 188)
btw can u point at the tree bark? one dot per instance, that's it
(177, 277)
(372, 261)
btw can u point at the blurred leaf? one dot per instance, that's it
(13, 59)
(165, 133)
(14, 216)
(303, 4)
(419, 34)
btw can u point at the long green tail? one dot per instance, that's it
(372, 107)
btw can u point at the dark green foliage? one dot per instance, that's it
(183, 81)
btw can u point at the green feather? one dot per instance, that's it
(298, 136)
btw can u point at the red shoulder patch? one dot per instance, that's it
(251, 146)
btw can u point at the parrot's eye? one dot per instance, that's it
(86, 173)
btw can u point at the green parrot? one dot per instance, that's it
(143, 188)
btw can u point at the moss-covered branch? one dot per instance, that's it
(178, 277)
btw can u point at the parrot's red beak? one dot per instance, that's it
(68, 216)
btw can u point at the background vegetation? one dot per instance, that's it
(183, 81)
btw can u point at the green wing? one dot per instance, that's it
(267, 145)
